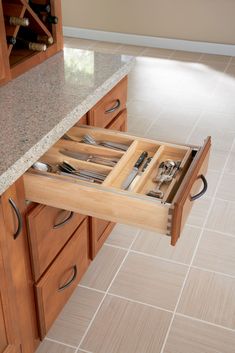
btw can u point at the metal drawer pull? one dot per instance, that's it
(115, 107)
(202, 192)
(61, 224)
(19, 218)
(66, 285)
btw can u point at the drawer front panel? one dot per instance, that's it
(49, 229)
(56, 286)
(110, 106)
(137, 206)
(190, 187)
(119, 123)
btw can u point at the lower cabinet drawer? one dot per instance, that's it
(109, 106)
(49, 230)
(100, 230)
(56, 286)
(160, 198)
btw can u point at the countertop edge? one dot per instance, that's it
(33, 154)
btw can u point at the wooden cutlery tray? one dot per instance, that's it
(108, 200)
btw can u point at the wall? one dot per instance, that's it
(200, 20)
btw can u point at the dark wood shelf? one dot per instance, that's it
(16, 61)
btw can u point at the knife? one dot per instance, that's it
(134, 171)
(131, 186)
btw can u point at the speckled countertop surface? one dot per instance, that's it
(37, 108)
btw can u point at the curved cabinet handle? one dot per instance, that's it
(18, 216)
(66, 285)
(202, 192)
(115, 107)
(61, 224)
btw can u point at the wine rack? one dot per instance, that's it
(26, 53)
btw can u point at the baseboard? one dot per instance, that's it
(154, 42)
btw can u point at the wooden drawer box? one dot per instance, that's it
(56, 286)
(109, 106)
(108, 200)
(49, 230)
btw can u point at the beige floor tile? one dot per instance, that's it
(199, 211)
(218, 121)
(103, 268)
(79, 43)
(226, 188)
(222, 140)
(190, 336)
(185, 55)
(106, 45)
(231, 70)
(212, 177)
(124, 327)
(216, 252)
(209, 297)
(130, 50)
(215, 58)
(157, 52)
(230, 167)
(149, 280)
(222, 217)
(74, 319)
(159, 245)
(139, 125)
(53, 347)
(217, 160)
(122, 235)
(175, 133)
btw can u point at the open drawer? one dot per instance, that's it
(108, 200)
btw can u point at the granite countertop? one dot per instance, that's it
(37, 108)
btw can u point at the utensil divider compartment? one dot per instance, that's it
(165, 152)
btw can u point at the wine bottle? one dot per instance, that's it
(38, 8)
(35, 37)
(11, 40)
(23, 43)
(17, 21)
(49, 19)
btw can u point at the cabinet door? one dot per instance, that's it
(9, 341)
(18, 265)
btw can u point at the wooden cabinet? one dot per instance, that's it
(49, 229)
(58, 283)
(16, 59)
(9, 340)
(109, 106)
(14, 247)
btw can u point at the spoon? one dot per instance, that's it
(43, 167)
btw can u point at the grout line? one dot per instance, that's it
(196, 248)
(59, 342)
(106, 293)
(159, 257)
(205, 322)
(212, 271)
(94, 289)
(138, 302)
(115, 246)
(219, 232)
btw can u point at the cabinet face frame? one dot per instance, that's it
(4, 63)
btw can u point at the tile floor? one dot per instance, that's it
(141, 295)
